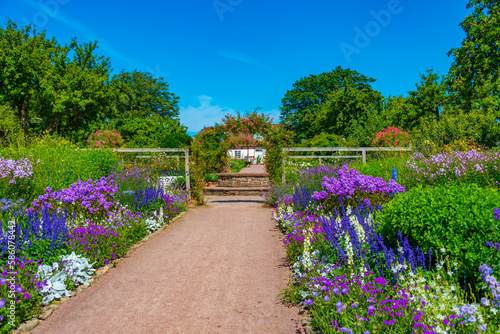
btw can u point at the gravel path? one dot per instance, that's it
(216, 270)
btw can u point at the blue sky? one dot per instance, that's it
(227, 55)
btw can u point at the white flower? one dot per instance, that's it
(442, 250)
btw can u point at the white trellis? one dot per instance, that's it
(363, 151)
(163, 150)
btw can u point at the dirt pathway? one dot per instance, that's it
(216, 270)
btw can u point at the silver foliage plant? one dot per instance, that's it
(73, 268)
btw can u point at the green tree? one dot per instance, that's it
(146, 112)
(79, 94)
(351, 113)
(398, 112)
(301, 104)
(26, 60)
(475, 71)
(52, 88)
(428, 100)
(456, 125)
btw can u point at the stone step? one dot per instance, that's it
(233, 191)
(241, 180)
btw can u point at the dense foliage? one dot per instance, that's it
(457, 218)
(301, 105)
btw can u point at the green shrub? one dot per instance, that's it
(211, 177)
(236, 165)
(458, 218)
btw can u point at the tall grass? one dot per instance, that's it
(381, 164)
(58, 163)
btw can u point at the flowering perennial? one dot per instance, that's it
(473, 166)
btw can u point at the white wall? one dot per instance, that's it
(252, 152)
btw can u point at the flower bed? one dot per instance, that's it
(56, 243)
(354, 280)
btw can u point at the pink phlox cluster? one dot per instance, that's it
(105, 138)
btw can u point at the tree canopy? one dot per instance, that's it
(145, 111)
(475, 72)
(352, 113)
(67, 90)
(301, 104)
(51, 87)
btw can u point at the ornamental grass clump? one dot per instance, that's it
(472, 167)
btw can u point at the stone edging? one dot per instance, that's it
(307, 320)
(47, 310)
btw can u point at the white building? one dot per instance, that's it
(250, 152)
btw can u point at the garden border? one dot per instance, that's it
(46, 311)
(363, 151)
